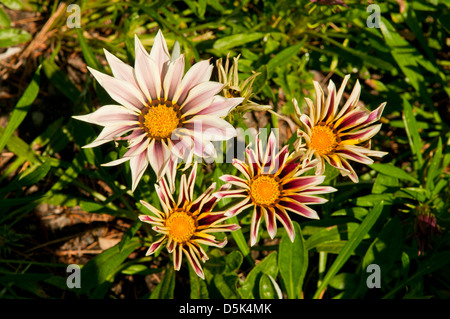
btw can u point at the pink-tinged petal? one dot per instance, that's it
(298, 208)
(147, 72)
(254, 226)
(319, 102)
(231, 193)
(270, 150)
(137, 149)
(311, 111)
(159, 52)
(171, 244)
(303, 182)
(351, 119)
(316, 190)
(151, 220)
(349, 171)
(341, 92)
(183, 192)
(220, 106)
(193, 260)
(198, 73)
(307, 125)
(351, 101)
(172, 80)
(191, 181)
(210, 127)
(286, 221)
(279, 160)
(330, 104)
(208, 219)
(336, 161)
(234, 181)
(307, 199)
(374, 116)
(271, 222)
(155, 246)
(152, 209)
(182, 144)
(242, 167)
(120, 91)
(243, 205)
(109, 133)
(210, 240)
(354, 156)
(362, 135)
(120, 70)
(289, 168)
(222, 228)
(110, 115)
(177, 257)
(138, 165)
(200, 97)
(158, 155)
(171, 172)
(253, 164)
(116, 162)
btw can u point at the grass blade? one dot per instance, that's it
(350, 246)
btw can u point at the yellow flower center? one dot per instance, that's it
(180, 226)
(160, 120)
(265, 190)
(323, 139)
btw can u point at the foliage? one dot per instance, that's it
(289, 43)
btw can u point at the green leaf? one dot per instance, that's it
(21, 108)
(60, 80)
(236, 40)
(293, 262)
(88, 55)
(11, 36)
(227, 285)
(12, 4)
(434, 169)
(129, 233)
(413, 133)
(250, 287)
(350, 246)
(240, 240)
(284, 56)
(391, 170)
(4, 19)
(268, 288)
(99, 272)
(199, 290)
(166, 288)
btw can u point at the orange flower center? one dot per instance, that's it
(265, 190)
(180, 226)
(160, 120)
(323, 139)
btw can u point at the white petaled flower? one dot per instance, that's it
(163, 113)
(338, 134)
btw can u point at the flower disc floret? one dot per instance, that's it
(181, 226)
(265, 190)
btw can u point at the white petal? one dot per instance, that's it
(147, 72)
(159, 52)
(200, 97)
(198, 73)
(120, 70)
(221, 106)
(122, 92)
(110, 115)
(210, 127)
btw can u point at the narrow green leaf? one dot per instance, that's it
(434, 169)
(4, 19)
(60, 80)
(236, 40)
(199, 290)
(240, 240)
(391, 170)
(99, 272)
(267, 289)
(88, 55)
(21, 108)
(284, 56)
(293, 262)
(227, 285)
(350, 246)
(413, 133)
(166, 288)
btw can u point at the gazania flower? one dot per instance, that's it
(167, 115)
(188, 223)
(272, 185)
(338, 134)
